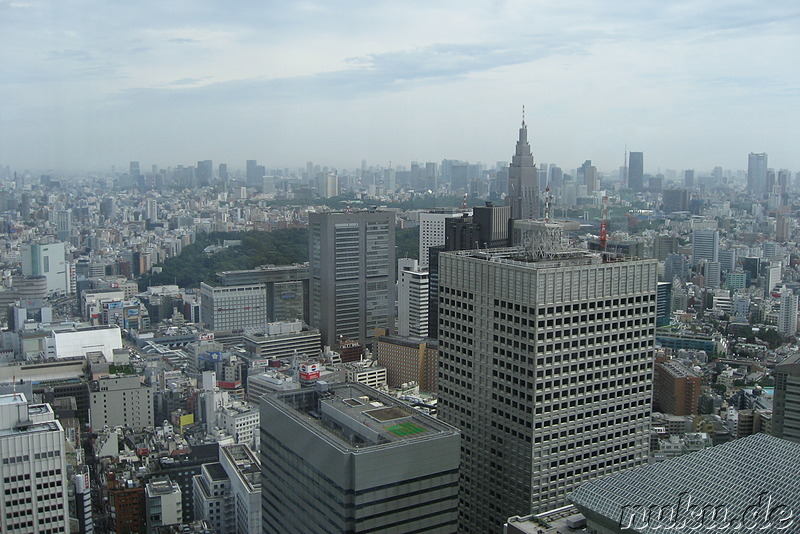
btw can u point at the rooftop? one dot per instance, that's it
(215, 471)
(735, 475)
(357, 416)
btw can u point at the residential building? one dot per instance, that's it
(360, 460)
(787, 315)
(545, 364)
(676, 388)
(352, 263)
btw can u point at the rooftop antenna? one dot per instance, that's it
(547, 204)
(464, 203)
(523, 114)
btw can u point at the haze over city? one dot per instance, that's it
(692, 85)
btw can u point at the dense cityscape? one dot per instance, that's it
(434, 347)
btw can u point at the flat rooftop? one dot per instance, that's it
(216, 471)
(359, 416)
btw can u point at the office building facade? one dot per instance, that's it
(346, 458)
(412, 298)
(636, 171)
(33, 472)
(786, 402)
(546, 367)
(226, 308)
(352, 273)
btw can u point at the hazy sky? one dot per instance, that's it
(91, 83)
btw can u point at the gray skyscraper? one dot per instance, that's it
(347, 458)
(705, 246)
(352, 273)
(523, 180)
(757, 173)
(786, 419)
(636, 171)
(546, 366)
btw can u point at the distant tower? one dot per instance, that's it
(787, 316)
(757, 173)
(523, 180)
(636, 171)
(412, 298)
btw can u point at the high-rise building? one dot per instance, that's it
(358, 460)
(204, 173)
(523, 180)
(431, 230)
(688, 178)
(787, 315)
(636, 171)
(786, 401)
(33, 474)
(705, 246)
(121, 400)
(351, 271)
(489, 226)
(223, 172)
(757, 173)
(244, 472)
(412, 298)
(254, 174)
(676, 200)
(286, 285)
(546, 367)
(63, 225)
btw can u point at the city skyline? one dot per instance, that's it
(288, 83)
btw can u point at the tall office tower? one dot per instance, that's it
(786, 401)
(705, 246)
(787, 316)
(546, 367)
(412, 298)
(351, 272)
(48, 260)
(152, 209)
(204, 173)
(223, 172)
(431, 229)
(63, 225)
(358, 460)
(636, 171)
(590, 178)
(33, 474)
(254, 174)
(782, 228)
(327, 185)
(688, 178)
(676, 388)
(523, 180)
(134, 169)
(489, 226)
(783, 181)
(664, 245)
(757, 173)
(431, 175)
(663, 303)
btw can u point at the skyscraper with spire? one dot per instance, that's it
(523, 180)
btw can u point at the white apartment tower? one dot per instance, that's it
(546, 367)
(412, 298)
(48, 260)
(33, 478)
(787, 316)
